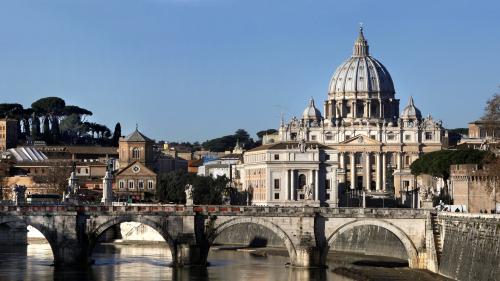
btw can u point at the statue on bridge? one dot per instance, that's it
(71, 194)
(19, 194)
(188, 189)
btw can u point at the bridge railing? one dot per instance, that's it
(218, 209)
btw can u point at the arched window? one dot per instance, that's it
(136, 153)
(302, 181)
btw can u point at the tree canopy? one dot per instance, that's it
(49, 105)
(73, 109)
(228, 142)
(262, 133)
(492, 109)
(206, 190)
(10, 109)
(438, 163)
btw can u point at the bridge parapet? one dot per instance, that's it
(223, 209)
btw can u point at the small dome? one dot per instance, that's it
(311, 112)
(361, 72)
(411, 111)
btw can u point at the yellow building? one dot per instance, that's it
(135, 178)
(8, 134)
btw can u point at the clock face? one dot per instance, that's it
(136, 169)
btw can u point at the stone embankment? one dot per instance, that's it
(471, 246)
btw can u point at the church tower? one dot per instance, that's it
(135, 147)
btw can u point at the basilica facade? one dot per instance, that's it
(361, 141)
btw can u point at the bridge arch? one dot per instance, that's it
(258, 221)
(157, 226)
(400, 234)
(46, 232)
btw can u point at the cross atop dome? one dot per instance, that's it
(361, 45)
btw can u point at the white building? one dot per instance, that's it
(361, 143)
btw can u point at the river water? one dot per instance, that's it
(151, 262)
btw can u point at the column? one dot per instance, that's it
(398, 156)
(380, 108)
(369, 109)
(333, 109)
(367, 171)
(292, 180)
(378, 171)
(316, 185)
(287, 185)
(354, 109)
(353, 171)
(311, 178)
(384, 170)
(334, 190)
(325, 109)
(341, 160)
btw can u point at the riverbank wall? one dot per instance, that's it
(471, 246)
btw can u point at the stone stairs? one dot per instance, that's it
(437, 235)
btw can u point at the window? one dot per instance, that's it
(406, 184)
(391, 136)
(327, 184)
(276, 157)
(140, 184)
(313, 138)
(407, 160)
(150, 184)
(121, 185)
(327, 196)
(357, 158)
(276, 196)
(302, 181)
(347, 137)
(328, 136)
(428, 135)
(130, 184)
(327, 157)
(407, 137)
(136, 153)
(276, 184)
(373, 137)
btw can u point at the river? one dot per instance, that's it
(151, 262)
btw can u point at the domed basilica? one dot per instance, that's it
(361, 142)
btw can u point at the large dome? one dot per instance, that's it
(361, 73)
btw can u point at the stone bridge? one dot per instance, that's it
(307, 232)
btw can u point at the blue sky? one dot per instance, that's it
(197, 69)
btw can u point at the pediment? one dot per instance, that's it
(136, 169)
(361, 140)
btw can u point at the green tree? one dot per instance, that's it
(438, 163)
(171, 186)
(117, 133)
(492, 109)
(262, 133)
(228, 142)
(71, 128)
(206, 190)
(51, 108)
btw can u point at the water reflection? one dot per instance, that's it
(134, 262)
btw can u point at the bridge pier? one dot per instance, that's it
(307, 254)
(186, 252)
